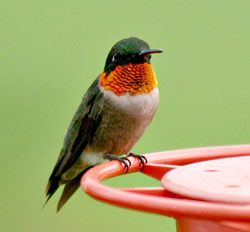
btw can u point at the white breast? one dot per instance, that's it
(141, 104)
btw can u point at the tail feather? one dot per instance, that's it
(69, 189)
(51, 188)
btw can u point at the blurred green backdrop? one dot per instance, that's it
(50, 52)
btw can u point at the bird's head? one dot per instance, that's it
(128, 69)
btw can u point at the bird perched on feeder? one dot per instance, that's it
(113, 115)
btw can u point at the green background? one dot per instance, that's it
(50, 52)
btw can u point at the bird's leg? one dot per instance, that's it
(123, 159)
(142, 159)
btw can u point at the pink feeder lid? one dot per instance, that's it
(223, 180)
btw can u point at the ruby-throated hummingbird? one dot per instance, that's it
(113, 115)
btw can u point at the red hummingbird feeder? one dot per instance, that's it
(204, 189)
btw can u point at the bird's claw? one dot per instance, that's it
(124, 160)
(142, 159)
(126, 163)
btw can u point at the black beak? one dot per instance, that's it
(146, 52)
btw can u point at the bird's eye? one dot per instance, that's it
(116, 58)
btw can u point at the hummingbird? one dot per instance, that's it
(112, 116)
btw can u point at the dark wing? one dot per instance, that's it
(80, 133)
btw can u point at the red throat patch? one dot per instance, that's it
(129, 78)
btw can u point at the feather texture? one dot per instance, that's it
(79, 135)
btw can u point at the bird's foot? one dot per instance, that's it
(123, 159)
(142, 159)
